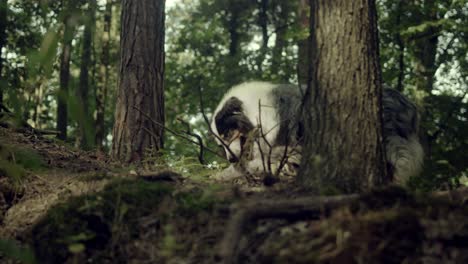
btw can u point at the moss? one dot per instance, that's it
(89, 223)
(99, 226)
(15, 162)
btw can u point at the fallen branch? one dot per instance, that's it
(26, 128)
(166, 175)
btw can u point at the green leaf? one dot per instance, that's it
(76, 248)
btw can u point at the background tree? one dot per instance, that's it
(84, 122)
(343, 139)
(141, 95)
(3, 23)
(65, 57)
(102, 89)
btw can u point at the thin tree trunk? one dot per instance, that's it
(343, 141)
(425, 52)
(401, 48)
(83, 88)
(232, 24)
(233, 27)
(303, 45)
(101, 94)
(3, 36)
(62, 101)
(141, 93)
(263, 23)
(280, 42)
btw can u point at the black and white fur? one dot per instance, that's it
(274, 108)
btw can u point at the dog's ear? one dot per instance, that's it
(225, 118)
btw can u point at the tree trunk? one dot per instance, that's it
(141, 93)
(83, 88)
(101, 93)
(280, 42)
(303, 45)
(233, 27)
(233, 23)
(263, 24)
(425, 54)
(401, 48)
(62, 101)
(343, 148)
(424, 51)
(3, 36)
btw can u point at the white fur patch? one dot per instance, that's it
(407, 156)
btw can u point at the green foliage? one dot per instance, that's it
(11, 250)
(214, 44)
(15, 162)
(96, 225)
(422, 53)
(196, 200)
(92, 222)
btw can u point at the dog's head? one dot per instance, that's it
(231, 125)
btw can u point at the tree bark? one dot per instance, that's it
(280, 41)
(83, 88)
(141, 90)
(233, 28)
(3, 36)
(401, 48)
(303, 44)
(102, 88)
(263, 24)
(343, 148)
(62, 101)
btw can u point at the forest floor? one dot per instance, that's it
(63, 205)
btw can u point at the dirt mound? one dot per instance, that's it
(38, 171)
(54, 154)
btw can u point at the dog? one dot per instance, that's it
(258, 126)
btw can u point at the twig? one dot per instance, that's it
(201, 155)
(202, 110)
(173, 132)
(264, 137)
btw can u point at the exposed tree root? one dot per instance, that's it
(303, 208)
(293, 209)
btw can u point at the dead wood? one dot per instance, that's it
(166, 175)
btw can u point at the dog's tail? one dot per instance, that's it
(406, 157)
(401, 124)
